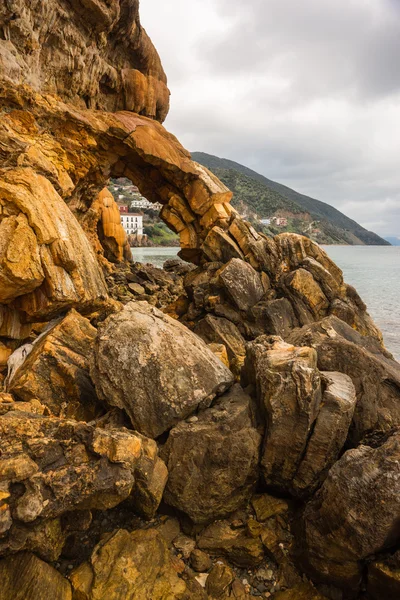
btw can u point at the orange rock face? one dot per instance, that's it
(71, 99)
(111, 65)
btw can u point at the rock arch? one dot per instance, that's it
(70, 100)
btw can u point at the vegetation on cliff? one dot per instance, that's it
(262, 197)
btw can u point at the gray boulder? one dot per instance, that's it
(354, 515)
(241, 283)
(329, 433)
(154, 368)
(376, 376)
(288, 388)
(212, 459)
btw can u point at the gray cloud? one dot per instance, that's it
(307, 93)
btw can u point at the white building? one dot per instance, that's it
(144, 203)
(265, 221)
(132, 223)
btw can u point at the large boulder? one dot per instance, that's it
(376, 376)
(126, 566)
(50, 466)
(288, 388)
(55, 369)
(275, 317)
(299, 403)
(329, 432)
(354, 515)
(241, 283)
(221, 331)
(26, 577)
(154, 368)
(212, 459)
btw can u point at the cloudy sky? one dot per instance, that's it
(305, 92)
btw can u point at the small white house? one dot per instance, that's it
(132, 223)
(265, 221)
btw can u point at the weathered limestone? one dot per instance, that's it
(8, 404)
(355, 513)
(222, 331)
(26, 577)
(212, 459)
(112, 236)
(275, 317)
(384, 578)
(50, 466)
(329, 433)
(126, 566)
(241, 283)
(375, 375)
(130, 368)
(289, 394)
(242, 548)
(56, 267)
(55, 369)
(112, 66)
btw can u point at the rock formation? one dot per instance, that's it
(130, 371)
(227, 429)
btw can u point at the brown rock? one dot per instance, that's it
(8, 404)
(200, 561)
(242, 283)
(239, 547)
(354, 514)
(384, 578)
(55, 369)
(302, 285)
(105, 78)
(340, 348)
(129, 565)
(275, 317)
(26, 577)
(50, 466)
(130, 368)
(266, 506)
(289, 394)
(221, 331)
(219, 246)
(67, 273)
(112, 235)
(220, 352)
(219, 582)
(212, 462)
(303, 591)
(329, 433)
(169, 529)
(184, 545)
(137, 289)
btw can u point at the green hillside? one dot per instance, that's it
(266, 197)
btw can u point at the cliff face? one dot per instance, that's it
(91, 53)
(273, 372)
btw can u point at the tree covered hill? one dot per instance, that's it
(261, 197)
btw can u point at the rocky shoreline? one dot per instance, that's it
(226, 429)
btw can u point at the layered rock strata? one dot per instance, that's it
(88, 377)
